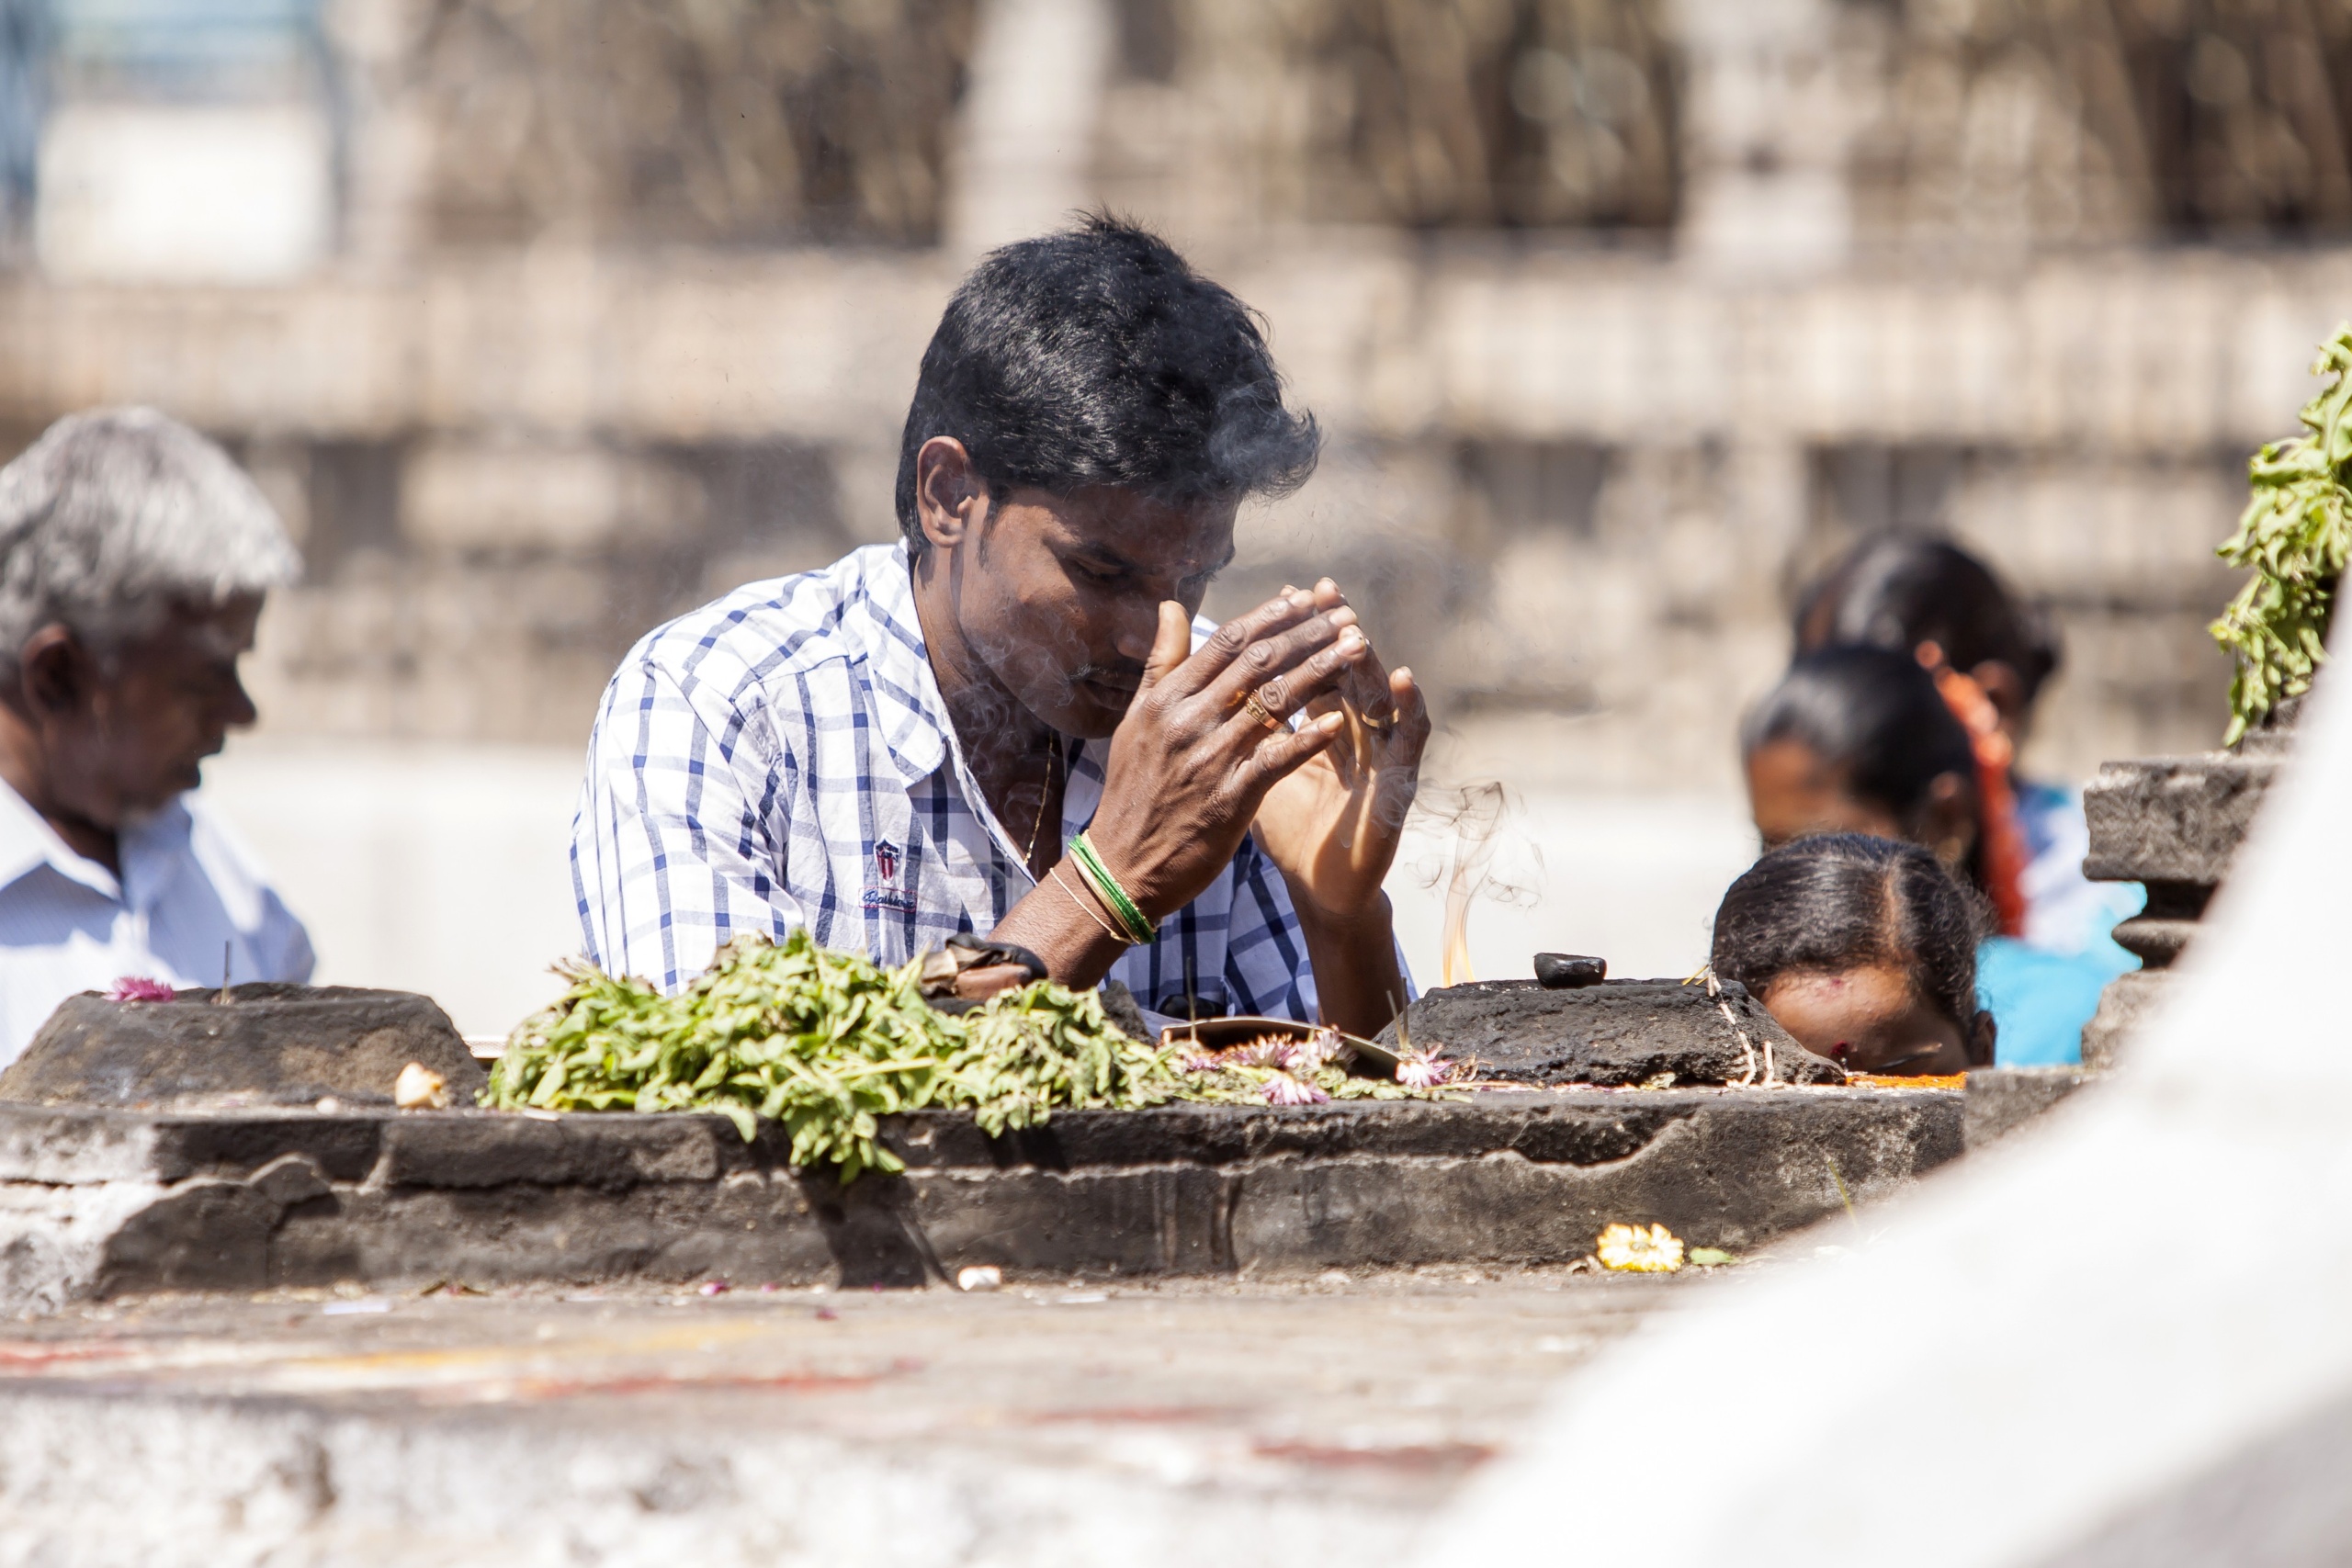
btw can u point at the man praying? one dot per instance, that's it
(1012, 722)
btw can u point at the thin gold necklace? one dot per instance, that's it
(1029, 850)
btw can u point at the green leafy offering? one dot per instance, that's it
(2295, 534)
(827, 1043)
(1711, 1257)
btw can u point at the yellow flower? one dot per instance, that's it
(1636, 1250)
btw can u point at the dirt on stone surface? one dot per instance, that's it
(1616, 1033)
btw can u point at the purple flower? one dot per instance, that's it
(138, 988)
(1284, 1089)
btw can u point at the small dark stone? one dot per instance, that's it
(269, 1044)
(1567, 971)
(1617, 1032)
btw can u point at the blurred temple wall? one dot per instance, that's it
(543, 319)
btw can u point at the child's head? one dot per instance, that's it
(1864, 950)
(1857, 740)
(1899, 592)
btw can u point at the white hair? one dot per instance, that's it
(116, 515)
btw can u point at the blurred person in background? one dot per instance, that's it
(1860, 740)
(896, 750)
(134, 556)
(1992, 656)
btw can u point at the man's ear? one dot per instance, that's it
(1982, 1033)
(52, 672)
(951, 499)
(1950, 820)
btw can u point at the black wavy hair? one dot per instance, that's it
(1842, 900)
(1897, 591)
(1873, 714)
(1098, 355)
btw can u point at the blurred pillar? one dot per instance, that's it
(1764, 140)
(24, 69)
(387, 141)
(1024, 156)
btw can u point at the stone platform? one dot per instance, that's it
(1243, 1424)
(97, 1203)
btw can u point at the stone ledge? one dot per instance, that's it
(2173, 819)
(2002, 1099)
(245, 1200)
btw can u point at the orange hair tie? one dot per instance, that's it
(2003, 850)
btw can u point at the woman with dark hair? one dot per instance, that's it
(1860, 741)
(1855, 740)
(1864, 950)
(1992, 654)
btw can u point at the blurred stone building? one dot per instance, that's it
(543, 319)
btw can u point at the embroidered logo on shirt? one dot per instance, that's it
(889, 894)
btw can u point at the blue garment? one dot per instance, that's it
(783, 758)
(2043, 989)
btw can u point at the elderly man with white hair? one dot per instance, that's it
(133, 559)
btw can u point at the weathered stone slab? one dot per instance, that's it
(1616, 1033)
(270, 1043)
(2002, 1099)
(2125, 1007)
(2173, 819)
(100, 1202)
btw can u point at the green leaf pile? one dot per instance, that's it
(827, 1043)
(2295, 535)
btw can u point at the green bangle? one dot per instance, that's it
(1106, 886)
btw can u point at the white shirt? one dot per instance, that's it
(188, 890)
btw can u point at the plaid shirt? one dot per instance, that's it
(782, 758)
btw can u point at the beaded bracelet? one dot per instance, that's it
(1106, 886)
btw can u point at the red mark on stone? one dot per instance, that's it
(31, 1356)
(1419, 1456)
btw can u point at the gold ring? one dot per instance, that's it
(1256, 709)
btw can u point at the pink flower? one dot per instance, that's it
(1284, 1089)
(1266, 1051)
(1317, 1049)
(138, 988)
(1424, 1069)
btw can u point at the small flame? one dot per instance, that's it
(1476, 819)
(1455, 967)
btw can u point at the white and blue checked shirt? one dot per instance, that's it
(782, 758)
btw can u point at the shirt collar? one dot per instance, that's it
(909, 707)
(911, 713)
(28, 843)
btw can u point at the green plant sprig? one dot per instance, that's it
(2295, 535)
(828, 1044)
